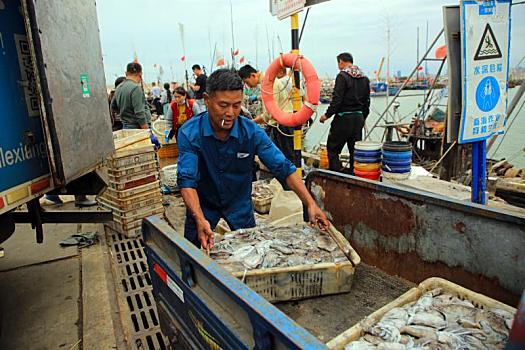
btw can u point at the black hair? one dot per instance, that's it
(246, 71)
(195, 66)
(134, 68)
(119, 81)
(166, 86)
(345, 57)
(180, 91)
(223, 80)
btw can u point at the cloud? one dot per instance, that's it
(332, 27)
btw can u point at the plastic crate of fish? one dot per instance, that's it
(127, 219)
(285, 263)
(135, 191)
(147, 206)
(131, 203)
(132, 177)
(133, 169)
(262, 196)
(133, 158)
(126, 185)
(437, 314)
(130, 232)
(127, 137)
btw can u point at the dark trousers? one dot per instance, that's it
(283, 142)
(346, 129)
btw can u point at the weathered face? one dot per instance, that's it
(341, 65)
(252, 80)
(223, 105)
(197, 72)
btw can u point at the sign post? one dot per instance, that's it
(485, 44)
(291, 8)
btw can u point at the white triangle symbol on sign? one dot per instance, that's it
(488, 46)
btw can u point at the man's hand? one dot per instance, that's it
(317, 217)
(258, 120)
(323, 118)
(205, 234)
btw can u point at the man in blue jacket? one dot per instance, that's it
(216, 157)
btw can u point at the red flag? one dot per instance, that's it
(241, 60)
(220, 62)
(419, 68)
(236, 52)
(441, 52)
(183, 58)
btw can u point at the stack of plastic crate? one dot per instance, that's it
(133, 182)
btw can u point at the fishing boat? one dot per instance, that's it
(379, 88)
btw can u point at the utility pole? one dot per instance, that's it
(296, 96)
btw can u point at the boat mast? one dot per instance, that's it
(417, 54)
(233, 36)
(388, 61)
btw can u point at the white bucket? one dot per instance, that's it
(169, 173)
(368, 146)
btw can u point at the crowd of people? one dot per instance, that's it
(220, 125)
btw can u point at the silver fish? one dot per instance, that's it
(242, 253)
(295, 260)
(386, 332)
(281, 246)
(253, 260)
(271, 259)
(326, 243)
(360, 345)
(428, 318)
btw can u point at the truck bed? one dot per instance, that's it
(327, 317)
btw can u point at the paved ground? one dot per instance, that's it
(56, 298)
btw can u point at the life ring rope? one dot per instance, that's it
(312, 89)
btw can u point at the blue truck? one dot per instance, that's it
(53, 109)
(403, 236)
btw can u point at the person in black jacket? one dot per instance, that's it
(350, 105)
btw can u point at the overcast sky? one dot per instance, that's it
(151, 30)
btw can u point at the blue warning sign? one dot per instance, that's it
(487, 94)
(485, 44)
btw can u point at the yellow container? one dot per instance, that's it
(323, 154)
(367, 166)
(168, 151)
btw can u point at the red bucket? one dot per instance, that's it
(370, 175)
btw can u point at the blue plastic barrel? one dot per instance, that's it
(367, 159)
(397, 155)
(397, 158)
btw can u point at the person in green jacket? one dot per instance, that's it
(129, 100)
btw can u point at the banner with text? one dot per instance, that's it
(285, 8)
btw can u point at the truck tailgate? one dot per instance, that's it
(203, 306)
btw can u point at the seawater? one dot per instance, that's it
(511, 148)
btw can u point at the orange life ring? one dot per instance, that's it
(313, 84)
